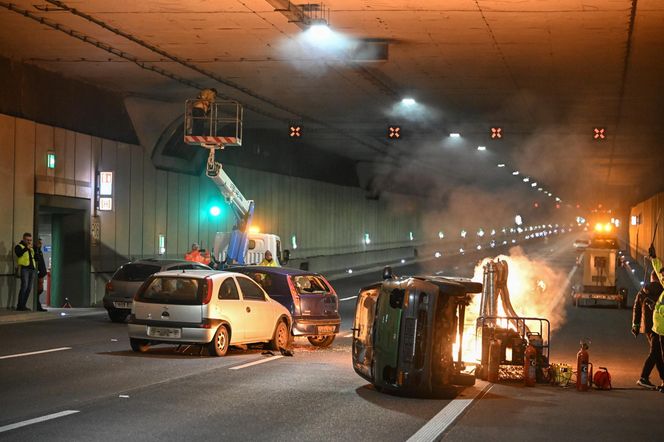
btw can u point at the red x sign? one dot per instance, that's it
(394, 132)
(599, 133)
(496, 132)
(295, 131)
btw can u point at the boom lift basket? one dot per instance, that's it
(219, 126)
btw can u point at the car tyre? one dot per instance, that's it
(139, 345)
(281, 336)
(118, 315)
(219, 344)
(321, 341)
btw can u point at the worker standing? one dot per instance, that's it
(196, 255)
(268, 261)
(642, 322)
(658, 309)
(200, 111)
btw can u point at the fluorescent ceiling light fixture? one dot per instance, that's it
(526, 179)
(557, 199)
(501, 165)
(539, 189)
(533, 184)
(408, 101)
(515, 173)
(481, 147)
(455, 135)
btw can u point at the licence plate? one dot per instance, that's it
(325, 329)
(164, 332)
(126, 305)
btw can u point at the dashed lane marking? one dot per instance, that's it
(433, 429)
(37, 420)
(349, 335)
(260, 361)
(20, 355)
(348, 299)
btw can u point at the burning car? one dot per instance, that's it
(404, 332)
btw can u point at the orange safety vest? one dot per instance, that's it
(196, 256)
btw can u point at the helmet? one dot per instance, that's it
(208, 94)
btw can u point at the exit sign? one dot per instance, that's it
(50, 160)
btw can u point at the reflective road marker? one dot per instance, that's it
(348, 299)
(441, 422)
(19, 355)
(36, 420)
(260, 361)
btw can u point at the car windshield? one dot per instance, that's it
(135, 272)
(272, 284)
(310, 284)
(172, 290)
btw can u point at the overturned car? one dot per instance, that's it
(404, 332)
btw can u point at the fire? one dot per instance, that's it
(536, 290)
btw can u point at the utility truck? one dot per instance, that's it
(214, 125)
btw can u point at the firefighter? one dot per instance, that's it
(196, 255)
(642, 322)
(268, 261)
(200, 110)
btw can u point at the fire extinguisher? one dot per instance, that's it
(584, 373)
(493, 374)
(530, 365)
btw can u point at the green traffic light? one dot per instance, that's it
(215, 210)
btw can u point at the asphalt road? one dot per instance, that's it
(115, 394)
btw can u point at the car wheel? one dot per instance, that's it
(139, 345)
(219, 344)
(281, 336)
(117, 315)
(321, 341)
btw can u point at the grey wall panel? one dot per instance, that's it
(59, 137)
(122, 201)
(194, 210)
(172, 212)
(45, 182)
(83, 170)
(24, 178)
(161, 205)
(150, 234)
(136, 228)
(95, 159)
(70, 163)
(183, 213)
(108, 162)
(7, 129)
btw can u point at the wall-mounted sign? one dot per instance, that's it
(105, 183)
(105, 203)
(50, 160)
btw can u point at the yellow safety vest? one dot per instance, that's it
(657, 266)
(658, 316)
(24, 260)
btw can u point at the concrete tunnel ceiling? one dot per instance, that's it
(547, 72)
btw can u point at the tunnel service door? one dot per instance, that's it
(365, 314)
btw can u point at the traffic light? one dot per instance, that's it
(215, 210)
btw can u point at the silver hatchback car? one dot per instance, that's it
(218, 309)
(126, 281)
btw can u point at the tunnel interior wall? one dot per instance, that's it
(641, 235)
(328, 221)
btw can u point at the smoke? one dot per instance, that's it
(536, 289)
(314, 50)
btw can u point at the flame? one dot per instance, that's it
(536, 290)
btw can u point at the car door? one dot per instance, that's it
(260, 317)
(229, 307)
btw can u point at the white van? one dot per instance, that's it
(218, 309)
(257, 245)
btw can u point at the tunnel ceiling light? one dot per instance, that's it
(408, 101)
(455, 135)
(526, 179)
(515, 173)
(501, 165)
(539, 189)
(481, 148)
(533, 184)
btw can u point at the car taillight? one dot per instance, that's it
(293, 292)
(208, 293)
(109, 286)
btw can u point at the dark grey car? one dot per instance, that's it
(126, 281)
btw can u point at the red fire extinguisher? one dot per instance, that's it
(530, 366)
(493, 374)
(583, 368)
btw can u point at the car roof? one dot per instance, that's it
(274, 270)
(160, 262)
(198, 273)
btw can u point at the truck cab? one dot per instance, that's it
(257, 245)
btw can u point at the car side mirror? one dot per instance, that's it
(387, 273)
(285, 256)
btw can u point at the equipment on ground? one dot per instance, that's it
(404, 332)
(505, 336)
(602, 379)
(599, 274)
(530, 365)
(584, 368)
(215, 125)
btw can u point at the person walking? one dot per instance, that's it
(642, 322)
(26, 269)
(41, 273)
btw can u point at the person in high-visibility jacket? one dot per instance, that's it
(658, 309)
(27, 267)
(268, 261)
(195, 255)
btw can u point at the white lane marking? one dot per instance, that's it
(349, 335)
(19, 355)
(348, 299)
(260, 361)
(36, 420)
(433, 429)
